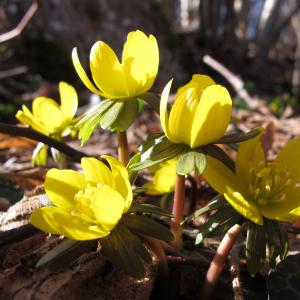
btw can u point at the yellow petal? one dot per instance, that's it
(212, 116)
(182, 115)
(289, 158)
(140, 60)
(69, 100)
(47, 111)
(108, 206)
(163, 180)
(185, 107)
(199, 83)
(121, 180)
(244, 207)
(278, 210)
(249, 155)
(164, 114)
(82, 74)
(222, 179)
(233, 189)
(62, 185)
(291, 216)
(107, 71)
(96, 172)
(57, 221)
(26, 118)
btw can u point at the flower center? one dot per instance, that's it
(83, 207)
(268, 184)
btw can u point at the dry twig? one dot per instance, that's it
(232, 78)
(20, 27)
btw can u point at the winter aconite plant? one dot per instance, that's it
(50, 118)
(96, 208)
(120, 83)
(97, 205)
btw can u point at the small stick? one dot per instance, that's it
(37, 136)
(233, 79)
(218, 262)
(20, 27)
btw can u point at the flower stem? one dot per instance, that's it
(178, 209)
(123, 147)
(217, 264)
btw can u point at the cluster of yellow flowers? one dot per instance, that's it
(90, 205)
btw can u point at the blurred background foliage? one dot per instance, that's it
(258, 40)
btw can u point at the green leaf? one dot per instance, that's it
(88, 122)
(283, 283)
(141, 104)
(158, 153)
(213, 222)
(217, 153)
(65, 253)
(216, 203)
(133, 160)
(111, 115)
(277, 240)
(190, 161)
(40, 155)
(149, 209)
(147, 226)
(225, 226)
(238, 137)
(126, 116)
(255, 248)
(122, 248)
(153, 100)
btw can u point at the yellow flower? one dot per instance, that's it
(200, 114)
(86, 206)
(47, 116)
(260, 189)
(132, 77)
(164, 179)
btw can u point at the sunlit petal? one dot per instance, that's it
(289, 158)
(82, 74)
(249, 155)
(121, 180)
(212, 116)
(48, 112)
(96, 172)
(278, 210)
(25, 117)
(108, 206)
(222, 179)
(107, 71)
(164, 114)
(163, 180)
(57, 221)
(243, 206)
(182, 115)
(69, 100)
(62, 185)
(140, 60)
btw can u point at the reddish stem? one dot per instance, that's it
(217, 264)
(123, 147)
(178, 209)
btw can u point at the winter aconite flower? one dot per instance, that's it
(86, 206)
(47, 116)
(260, 189)
(200, 114)
(131, 77)
(163, 180)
